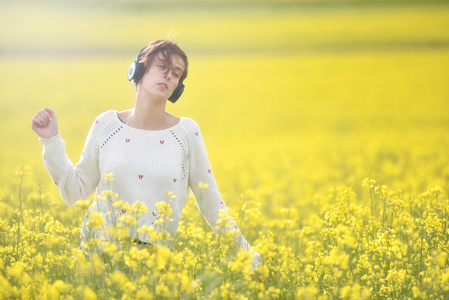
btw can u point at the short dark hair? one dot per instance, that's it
(167, 49)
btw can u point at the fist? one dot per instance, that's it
(45, 123)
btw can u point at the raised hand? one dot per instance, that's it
(45, 123)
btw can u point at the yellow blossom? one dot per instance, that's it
(108, 176)
(95, 220)
(202, 185)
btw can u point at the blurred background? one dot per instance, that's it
(303, 95)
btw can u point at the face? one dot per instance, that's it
(161, 80)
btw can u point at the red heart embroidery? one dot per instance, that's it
(221, 202)
(209, 170)
(96, 121)
(82, 153)
(174, 179)
(127, 140)
(236, 227)
(56, 183)
(162, 142)
(123, 211)
(196, 133)
(140, 176)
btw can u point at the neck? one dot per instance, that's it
(149, 113)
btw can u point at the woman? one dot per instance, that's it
(148, 150)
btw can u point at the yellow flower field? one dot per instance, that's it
(327, 128)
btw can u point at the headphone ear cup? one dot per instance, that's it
(177, 93)
(139, 70)
(132, 71)
(135, 71)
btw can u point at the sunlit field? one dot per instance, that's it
(327, 128)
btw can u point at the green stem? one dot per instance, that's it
(40, 199)
(20, 197)
(20, 219)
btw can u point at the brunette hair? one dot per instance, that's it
(167, 49)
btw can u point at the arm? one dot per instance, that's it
(74, 182)
(209, 200)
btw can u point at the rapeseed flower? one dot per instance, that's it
(95, 220)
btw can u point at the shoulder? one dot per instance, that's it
(192, 132)
(190, 125)
(109, 115)
(106, 119)
(105, 122)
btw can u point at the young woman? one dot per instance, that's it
(148, 150)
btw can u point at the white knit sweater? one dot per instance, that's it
(145, 165)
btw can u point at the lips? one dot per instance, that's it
(163, 85)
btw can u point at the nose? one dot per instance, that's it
(168, 74)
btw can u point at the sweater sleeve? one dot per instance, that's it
(209, 200)
(74, 182)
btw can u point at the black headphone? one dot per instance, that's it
(136, 71)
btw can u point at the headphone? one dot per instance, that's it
(137, 70)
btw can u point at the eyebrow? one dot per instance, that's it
(177, 67)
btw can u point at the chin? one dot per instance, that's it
(159, 95)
